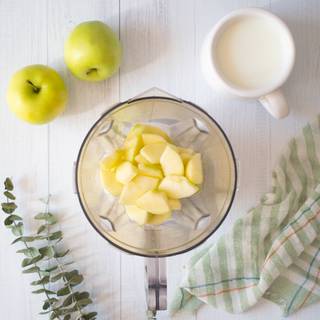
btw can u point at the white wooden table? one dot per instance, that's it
(161, 42)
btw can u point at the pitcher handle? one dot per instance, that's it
(275, 102)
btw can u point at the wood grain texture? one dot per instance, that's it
(161, 41)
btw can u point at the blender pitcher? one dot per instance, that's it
(188, 126)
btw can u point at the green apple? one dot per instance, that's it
(36, 94)
(92, 51)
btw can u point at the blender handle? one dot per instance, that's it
(156, 285)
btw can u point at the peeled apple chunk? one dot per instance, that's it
(185, 154)
(136, 214)
(154, 201)
(143, 217)
(126, 172)
(110, 182)
(111, 162)
(144, 128)
(174, 204)
(171, 162)
(149, 138)
(107, 173)
(152, 152)
(194, 169)
(136, 188)
(140, 159)
(132, 147)
(150, 170)
(177, 187)
(158, 218)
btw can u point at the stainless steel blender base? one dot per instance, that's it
(156, 285)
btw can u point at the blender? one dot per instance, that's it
(189, 126)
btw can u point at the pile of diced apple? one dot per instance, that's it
(150, 174)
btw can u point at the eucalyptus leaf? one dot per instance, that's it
(49, 302)
(63, 291)
(54, 315)
(43, 291)
(74, 281)
(17, 229)
(43, 280)
(84, 302)
(28, 261)
(9, 195)
(47, 251)
(45, 312)
(34, 269)
(68, 300)
(8, 207)
(81, 295)
(52, 268)
(29, 252)
(44, 273)
(61, 254)
(47, 216)
(57, 277)
(26, 239)
(10, 219)
(55, 235)
(90, 315)
(41, 228)
(8, 185)
(71, 274)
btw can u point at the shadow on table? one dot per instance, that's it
(302, 88)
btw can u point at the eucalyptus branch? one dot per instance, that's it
(63, 303)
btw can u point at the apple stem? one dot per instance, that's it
(34, 87)
(91, 70)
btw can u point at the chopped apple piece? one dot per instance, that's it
(136, 188)
(194, 169)
(133, 146)
(137, 214)
(154, 201)
(185, 150)
(140, 159)
(177, 187)
(174, 204)
(150, 170)
(146, 183)
(149, 138)
(158, 218)
(110, 183)
(144, 128)
(143, 217)
(153, 152)
(171, 162)
(112, 162)
(126, 172)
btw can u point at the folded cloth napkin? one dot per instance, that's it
(274, 250)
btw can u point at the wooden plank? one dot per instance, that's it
(97, 260)
(24, 154)
(158, 41)
(245, 122)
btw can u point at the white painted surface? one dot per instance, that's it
(161, 41)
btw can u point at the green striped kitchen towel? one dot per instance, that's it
(274, 250)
